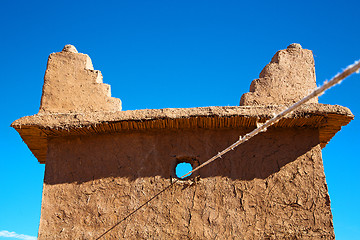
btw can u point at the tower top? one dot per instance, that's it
(288, 78)
(71, 85)
(69, 48)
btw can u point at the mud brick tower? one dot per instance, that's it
(102, 163)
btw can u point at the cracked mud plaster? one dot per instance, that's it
(271, 187)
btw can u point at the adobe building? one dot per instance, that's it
(102, 163)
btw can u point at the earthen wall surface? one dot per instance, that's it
(271, 187)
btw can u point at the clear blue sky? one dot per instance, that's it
(167, 54)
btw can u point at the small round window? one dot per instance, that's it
(183, 168)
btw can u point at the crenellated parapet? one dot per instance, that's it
(289, 77)
(72, 85)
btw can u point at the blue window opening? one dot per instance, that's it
(182, 169)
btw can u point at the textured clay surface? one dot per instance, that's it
(72, 85)
(271, 187)
(289, 77)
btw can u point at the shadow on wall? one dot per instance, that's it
(155, 153)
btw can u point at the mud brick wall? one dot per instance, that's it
(269, 188)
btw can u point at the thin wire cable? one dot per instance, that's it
(137, 209)
(260, 128)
